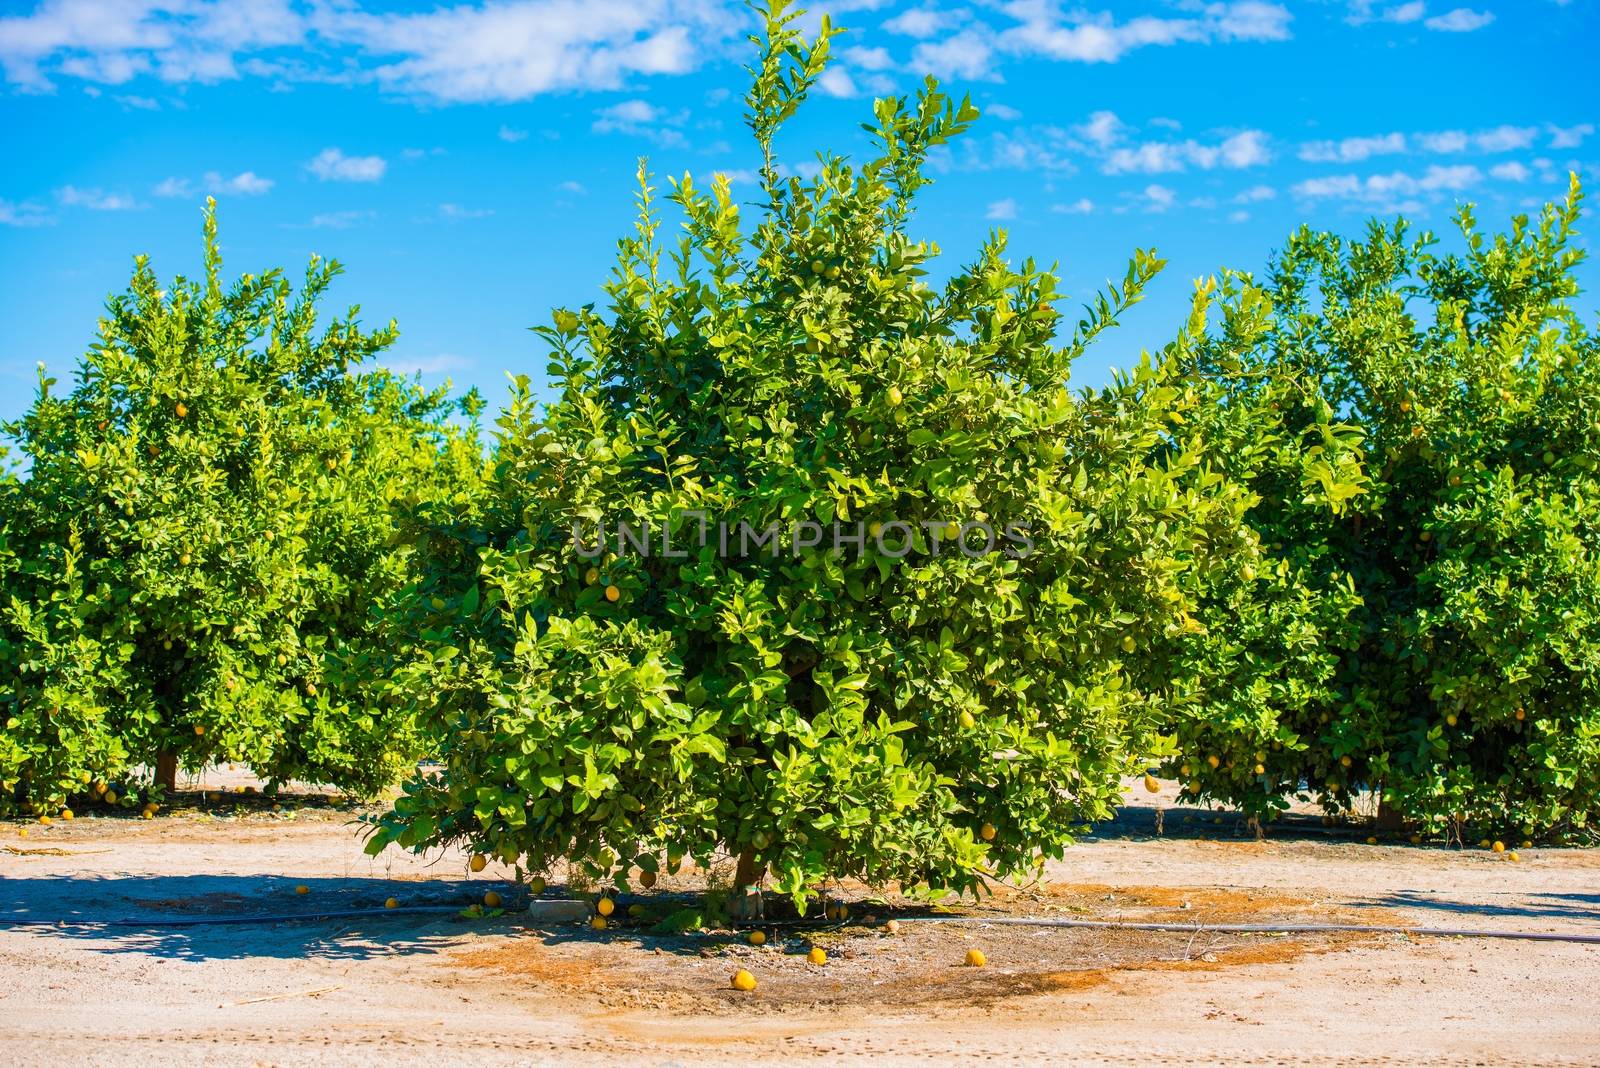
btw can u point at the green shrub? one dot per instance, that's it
(929, 719)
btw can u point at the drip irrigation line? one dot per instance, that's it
(1020, 921)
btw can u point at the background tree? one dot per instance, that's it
(201, 537)
(1468, 695)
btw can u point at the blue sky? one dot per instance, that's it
(472, 163)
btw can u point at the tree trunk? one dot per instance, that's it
(167, 770)
(1389, 819)
(749, 873)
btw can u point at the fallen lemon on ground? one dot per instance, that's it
(1498, 847)
(892, 927)
(66, 813)
(817, 955)
(757, 938)
(743, 980)
(492, 899)
(976, 959)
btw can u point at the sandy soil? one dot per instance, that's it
(498, 990)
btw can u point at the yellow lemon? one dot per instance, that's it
(597, 922)
(613, 594)
(968, 721)
(1151, 784)
(1513, 857)
(1344, 762)
(111, 797)
(605, 906)
(66, 813)
(976, 959)
(895, 397)
(391, 903)
(592, 575)
(757, 938)
(302, 889)
(987, 832)
(478, 862)
(743, 980)
(181, 410)
(1214, 762)
(199, 728)
(817, 955)
(491, 899)
(1498, 847)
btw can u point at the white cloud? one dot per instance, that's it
(877, 59)
(836, 81)
(94, 199)
(1388, 188)
(112, 43)
(573, 187)
(1103, 129)
(1239, 216)
(1255, 194)
(517, 49)
(332, 165)
(1081, 206)
(1002, 209)
(1352, 149)
(173, 187)
(1236, 152)
(1004, 112)
(1497, 139)
(24, 214)
(921, 22)
(511, 136)
(1411, 12)
(1158, 198)
(138, 103)
(967, 56)
(640, 118)
(1083, 37)
(1511, 172)
(1571, 136)
(500, 50)
(338, 220)
(456, 213)
(246, 183)
(1460, 20)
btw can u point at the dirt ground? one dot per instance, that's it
(500, 989)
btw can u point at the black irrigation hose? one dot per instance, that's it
(1022, 921)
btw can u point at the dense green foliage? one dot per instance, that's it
(843, 710)
(192, 560)
(1340, 539)
(1463, 677)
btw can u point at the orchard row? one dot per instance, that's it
(1340, 534)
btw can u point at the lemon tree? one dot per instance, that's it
(194, 556)
(1466, 695)
(900, 699)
